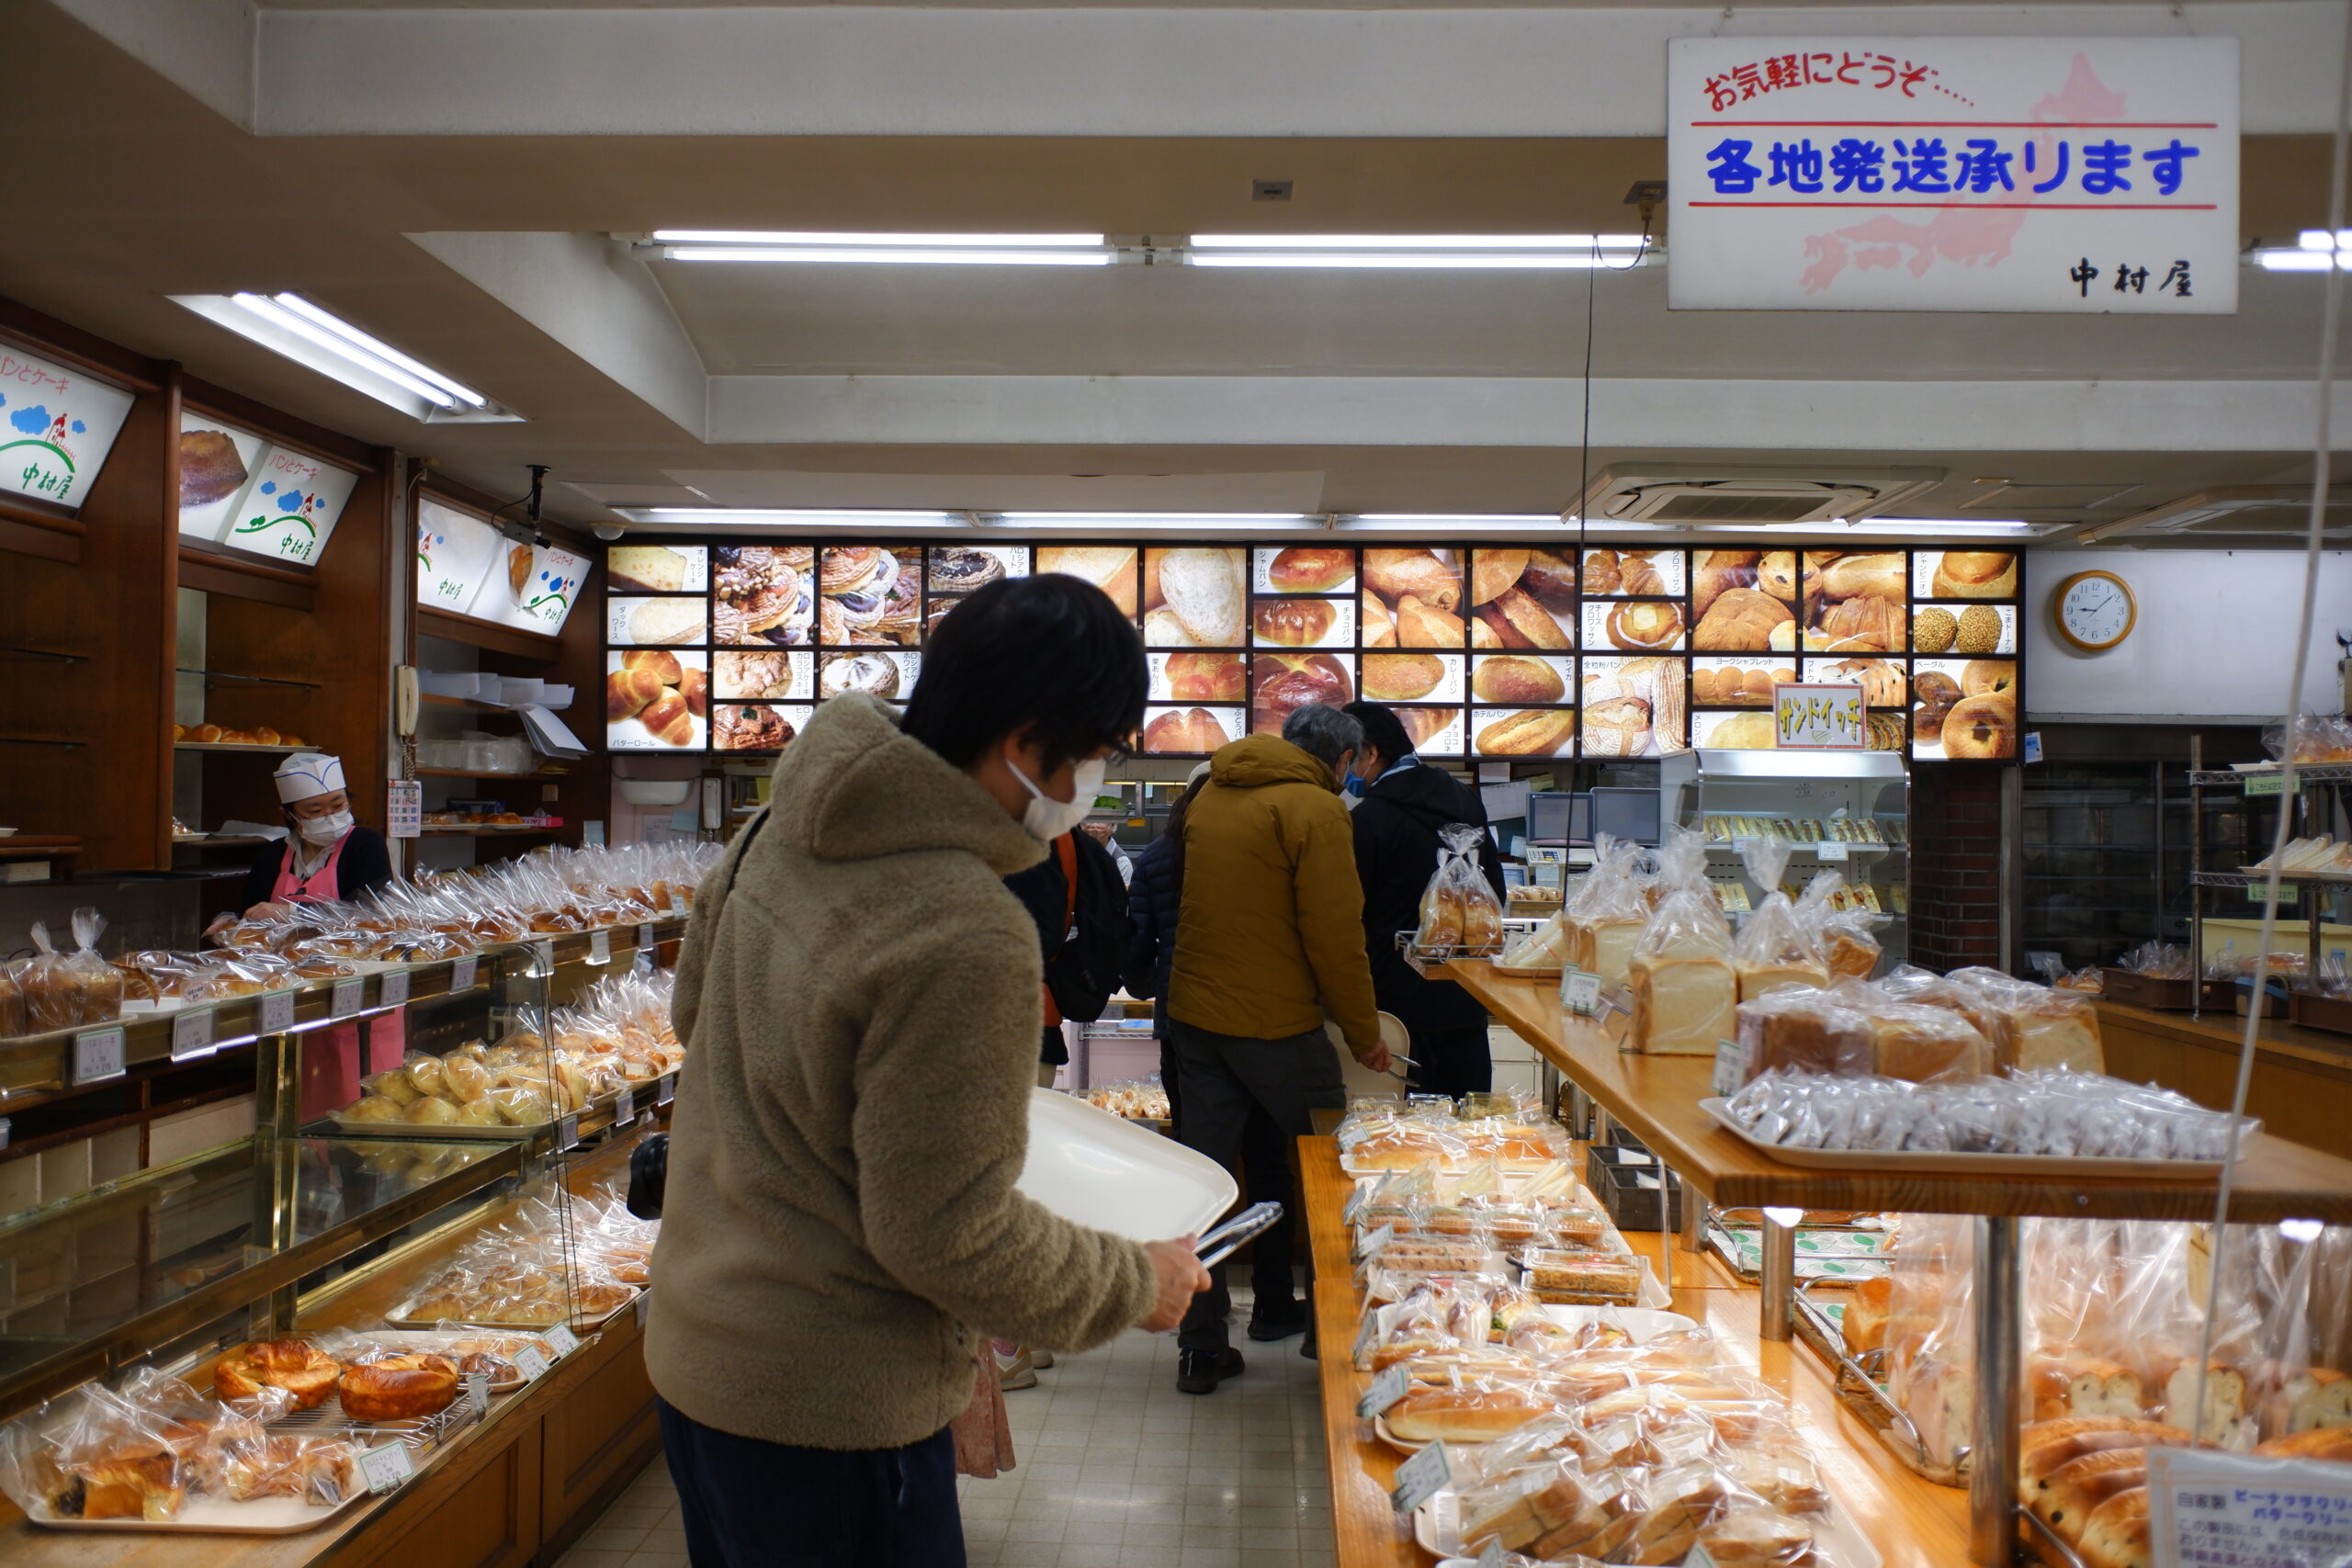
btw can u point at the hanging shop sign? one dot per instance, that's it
(241, 490)
(464, 565)
(1954, 174)
(57, 424)
(455, 553)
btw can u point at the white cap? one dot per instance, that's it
(306, 773)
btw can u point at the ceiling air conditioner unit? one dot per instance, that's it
(2231, 514)
(1671, 495)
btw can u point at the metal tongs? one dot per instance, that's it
(1224, 1240)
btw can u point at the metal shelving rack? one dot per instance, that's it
(2201, 779)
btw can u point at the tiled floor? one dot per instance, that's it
(1117, 1470)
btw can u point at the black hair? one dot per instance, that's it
(1049, 655)
(1383, 730)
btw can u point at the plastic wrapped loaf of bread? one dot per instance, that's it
(1775, 948)
(2054, 1113)
(1804, 1031)
(1685, 993)
(1608, 912)
(2045, 1027)
(1846, 937)
(1459, 909)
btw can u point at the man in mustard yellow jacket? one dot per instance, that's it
(1269, 940)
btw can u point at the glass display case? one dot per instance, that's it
(1845, 811)
(165, 1267)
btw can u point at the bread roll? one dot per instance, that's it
(1394, 574)
(669, 720)
(299, 1366)
(1110, 568)
(1207, 677)
(1868, 576)
(1745, 732)
(1401, 677)
(1205, 589)
(1310, 570)
(1425, 625)
(1294, 623)
(1551, 579)
(1492, 572)
(1741, 620)
(2081, 1485)
(2045, 1448)
(1284, 683)
(1714, 572)
(627, 691)
(662, 663)
(1425, 725)
(1616, 726)
(1976, 574)
(399, 1388)
(1190, 730)
(1379, 629)
(1162, 628)
(2331, 1443)
(1521, 622)
(1779, 574)
(1507, 679)
(2116, 1534)
(1538, 732)
(1452, 1415)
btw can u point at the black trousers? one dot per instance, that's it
(1265, 1178)
(1224, 1076)
(748, 1504)
(1451, 1061)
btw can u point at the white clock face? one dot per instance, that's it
(2096, 611)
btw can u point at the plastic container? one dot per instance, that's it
(1614, 1172)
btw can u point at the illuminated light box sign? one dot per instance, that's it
(241, 490)
(57, 424)
(1936, 174)
(464, 566)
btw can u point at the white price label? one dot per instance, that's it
(192, 1035)
(561, 1340)
(463, 972)
(1354, 1205)
(2208, 1508)
(1377, 1242)
(669, 1086)
(1385, 1390)
(543, 957)
(1420, 1478)
(98, 1055)
(386, 1468)
(392, 989)
(1731, 1066)
(1700, 1556)
(1492, 1556)
(567, 1131)
(1831, 848)
(530, 1363)
(349, 996)
(478, 1394)
(645, 941)
(600, 946)
(625, 1107)
(1367, 1330)
(1579, 992)
(277, 1013)
(677, 904)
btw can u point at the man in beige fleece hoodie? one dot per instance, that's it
(859, 994)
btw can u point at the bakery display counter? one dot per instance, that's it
(2302, 1078)
(1657, 1097)
(1913, 1523)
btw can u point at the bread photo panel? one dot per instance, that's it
(871, 596)
(1750, 731)
(1744, 682)
(1635, 574)
(1302, 569)
(763, 595)
(1522, 678)
(1884, 681)
(756, 727)
(1303, 623)
(1189, 731)
(1964, 710)
(767, 675)
(1523, 732)
(658, 568)
(1634, 625)
(1281, 683)
(891, 677)
(1522, 599)
(1111, 568)
(656, 699)
(960, 569)
(1971, 629)
(1412, 677)
(1635, 707)
(1963, 574)
(1196, 597)
(632, 621)
(1856, 602)
(1195, 676)
(1412, 599)
(1434, 731)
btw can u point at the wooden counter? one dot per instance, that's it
(1913, 1523)
(1657, 1097)
(2302, 1078)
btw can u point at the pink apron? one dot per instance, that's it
(332, 1057)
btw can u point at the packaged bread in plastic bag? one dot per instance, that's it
(1803, 1031)
(1685, 992)
(2045, 1027)
(101, 982)
(1606, 914)
(1776, 948)
(1846, 937)
(1459, 911)
(52, 988)
(1931, 1335)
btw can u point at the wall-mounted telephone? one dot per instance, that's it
(404, 703)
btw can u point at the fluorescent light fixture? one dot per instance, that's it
(2301, 1230)
(1511, 253)
(2301, 260)
(2316, 240)
(319, 339)
(1406, 522)
(1137, 520)
(885, 250)
(787, 518)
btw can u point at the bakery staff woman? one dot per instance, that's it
(325, 856)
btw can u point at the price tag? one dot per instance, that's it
(1367, 1330)
(392, 989)
(1377, 1242)
(386, 1468)
(1354, 1205)
(192, 1034)
(561, 1340)
(463, 972)
(1492, 1557)
(677, 904)
(1420, 1478)
(349, 996)
(2266, 784)
(2206, 1506)
(530, 1363)
(478, 1394)
(1831, 848)
(1579, 992)
(1385, 1390)
(98, 1055)
(669, 1088)
(567, 1131)
(1731, 1066)
(645, 943)
(543, 957)
(625, 1107)
(600, 946)
(1700, 1556)
(277, 1013)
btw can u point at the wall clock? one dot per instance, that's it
(2094, 610)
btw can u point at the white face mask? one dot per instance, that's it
(325, 830)
(1047, 819)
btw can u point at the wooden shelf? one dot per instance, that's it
(485, 633)
(227, 746)
(480, 774)
(480, 829)
(1913, 1523)
(433, 700)
(225, 678)
(1657, 1097)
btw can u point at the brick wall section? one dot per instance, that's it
(1955, 864)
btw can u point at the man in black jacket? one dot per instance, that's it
(1405, 803)
(1083, 932)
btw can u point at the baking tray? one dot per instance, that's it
(438, 1342)
(1436, 1526)
(1879, 1162)
(221, 1516)
(398, 1318)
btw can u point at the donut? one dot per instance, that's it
(1984, 677)
(1981, 727)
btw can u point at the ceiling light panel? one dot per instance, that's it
(839, 247)
(314, 337)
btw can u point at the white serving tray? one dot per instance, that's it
(221, 1516)
(1436, 1526)
(401, 1317)
(1963, 1163)
(1101, 1170)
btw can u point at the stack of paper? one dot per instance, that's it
(549, 734)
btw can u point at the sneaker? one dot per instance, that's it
(1199, 1371)
(1019, 1372)
(1266, 1326)
(1307, 1348)
(1042, 1359)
